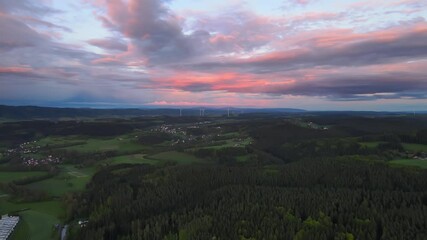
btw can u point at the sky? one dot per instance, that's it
(309, 54)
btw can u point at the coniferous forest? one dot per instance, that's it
(313, 199)
(302, 181)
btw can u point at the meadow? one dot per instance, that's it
(415, 147)
(174, 156)
(37, 222)
(410, 163)
(70, 179)
(121, 144)
(131, 159)
(9, 176)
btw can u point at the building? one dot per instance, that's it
(7, 225)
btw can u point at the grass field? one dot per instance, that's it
(415, 147)
(57, 141)
(11, 176)
(231, 143)
(407, 146)
(21, 231)
(133, 159)
(70, 179)
(410, 162)
(179, 157)
(37, 222)
(122, 144)
(100, 145)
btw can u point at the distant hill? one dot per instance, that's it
(34, 112)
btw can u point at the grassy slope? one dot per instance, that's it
(122, 144)
(407, 146)
(133, 158)
(99, 145)
(410, 162)
(22, 231)
(38, 221)
(230, 143)
(179, 157)
(70, 179)
(11, 176)
(415, 147)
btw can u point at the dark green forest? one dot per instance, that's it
(322, 199)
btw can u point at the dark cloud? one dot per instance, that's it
(363, 86)
(151, 27)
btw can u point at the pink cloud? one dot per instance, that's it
(15, 70)
(106, 60)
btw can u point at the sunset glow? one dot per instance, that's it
(311, 54)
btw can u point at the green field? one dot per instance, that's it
(12, 176)
(57, 141)
(179, 157)
(21, 231)
(407, 146)
(133, 159)
(102, 145)
(410, 162)
(37, 222)
(122, 144)
(230, 143)
(415, 147)
(71, 179)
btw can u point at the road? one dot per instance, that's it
(64, 232)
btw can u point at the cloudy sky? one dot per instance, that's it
(311, 54)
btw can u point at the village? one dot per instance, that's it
(27, 153)
(200, 134)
